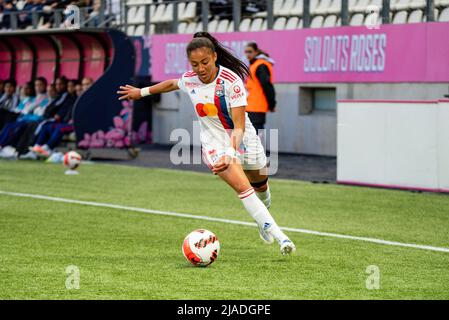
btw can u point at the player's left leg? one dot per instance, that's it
(259, 181)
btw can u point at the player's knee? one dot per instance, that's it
(260, 186)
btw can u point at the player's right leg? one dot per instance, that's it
(236, 178)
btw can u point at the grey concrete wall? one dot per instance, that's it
(314, 133)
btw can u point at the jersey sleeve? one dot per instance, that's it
(237, 94)
(181, 84)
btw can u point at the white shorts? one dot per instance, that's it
(253, 157)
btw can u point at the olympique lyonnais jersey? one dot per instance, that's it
(213, 103)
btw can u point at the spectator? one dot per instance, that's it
(79, 90)
(86, 83)
(7, 7)
(261, 93)
(82, 87)
(71, 87)
(52, 131)
(8, 103)
(62, 101)
(26, 108)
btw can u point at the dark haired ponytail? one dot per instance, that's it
(224, 57)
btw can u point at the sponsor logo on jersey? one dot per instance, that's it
(237, 89)
(237, 96)
(189, 84)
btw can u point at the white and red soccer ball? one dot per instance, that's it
(201, 247)
(72, 160)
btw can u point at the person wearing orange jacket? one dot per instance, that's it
(261, 93)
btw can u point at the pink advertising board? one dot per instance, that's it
(392, 53)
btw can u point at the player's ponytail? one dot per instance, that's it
(224, 57)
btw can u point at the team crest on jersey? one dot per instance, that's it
(219, 90)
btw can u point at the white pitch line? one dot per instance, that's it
(244, 223)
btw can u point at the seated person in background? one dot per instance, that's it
(86, 83)
(6, 7)
(32, 108)
(71, 87)
(82, 87)
(52, 132)
(8, 103)
(26, 140)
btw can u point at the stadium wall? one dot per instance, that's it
(357, 62)
(394, 144)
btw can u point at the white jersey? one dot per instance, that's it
(213, 103)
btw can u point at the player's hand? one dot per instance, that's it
(129, 92)
(222, 164)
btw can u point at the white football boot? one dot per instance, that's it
(287, 247)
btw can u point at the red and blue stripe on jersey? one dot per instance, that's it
(220, 98)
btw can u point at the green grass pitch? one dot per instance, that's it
(133, 255)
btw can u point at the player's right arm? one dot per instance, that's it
(133, 93)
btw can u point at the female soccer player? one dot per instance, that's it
(230, 145)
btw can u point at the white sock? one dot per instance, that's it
(265, 196)
(260, 213)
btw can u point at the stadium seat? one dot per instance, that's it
(313, 6)
(279, 23)
(182, 27)
(231, 26)
(286, 9)
(322, 7)
(444, 15)
(191, 27)
(264, 25)
(223, 25)
(277, 6)
(418, 4)
(168, 13)
(181, 8)
(400, 17)
(131, 14)
(189, 12)
(317, 22)
(245, 25)
(358, 5)
(357, 19)
(330, 21)
(377, 3)
(400, 5)
(292, 23)
(370, 20)
(158, 14)
(140, 15)
(297, 8)
(130, 30)
(140, 30)
(199, 27)
(212, 25)
(256, 24)
(335, 7)
(416, 16)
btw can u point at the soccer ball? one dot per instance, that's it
(201, 247)
(72, 160)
